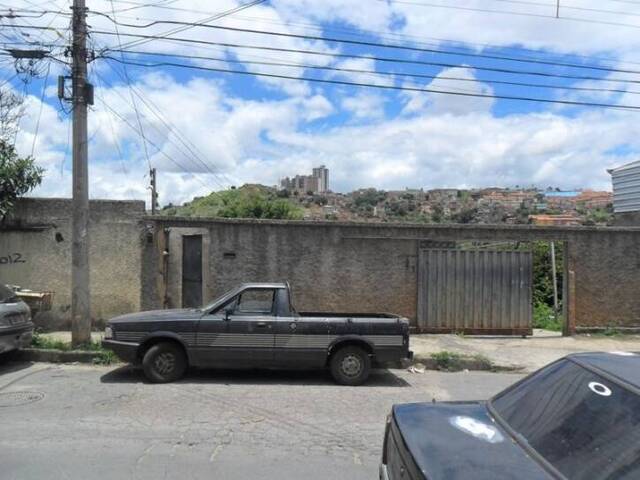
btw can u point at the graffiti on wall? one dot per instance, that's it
(12, 258)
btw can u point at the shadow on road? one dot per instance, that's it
(9, 363)
(378, 378)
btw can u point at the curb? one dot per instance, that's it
(56, 356)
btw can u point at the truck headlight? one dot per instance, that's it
(108, 333)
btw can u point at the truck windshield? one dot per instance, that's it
(581, 423)
(229, 293)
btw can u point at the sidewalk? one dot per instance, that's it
(527, 354)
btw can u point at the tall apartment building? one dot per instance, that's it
(322, 174)
(316, 183)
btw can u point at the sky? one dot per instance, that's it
(206, 130)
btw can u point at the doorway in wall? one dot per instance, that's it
(191, 271)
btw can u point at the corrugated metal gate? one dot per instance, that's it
(476, 292)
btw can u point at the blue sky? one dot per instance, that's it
(205, 130)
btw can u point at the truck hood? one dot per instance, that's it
(455, 441)
(159, 315)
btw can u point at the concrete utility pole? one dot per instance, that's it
(154, 191)
(80, 292)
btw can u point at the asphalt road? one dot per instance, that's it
(88, 422)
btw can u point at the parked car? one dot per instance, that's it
(16, 328)
(256, 325)
(575, 419)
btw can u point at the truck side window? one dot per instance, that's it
(255, 301)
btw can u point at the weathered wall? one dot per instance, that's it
(39, 236)
(342, 267)
(627, 219)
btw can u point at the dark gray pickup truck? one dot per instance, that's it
(256, 325)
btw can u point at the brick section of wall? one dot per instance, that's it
(369, 268)
(40, 231)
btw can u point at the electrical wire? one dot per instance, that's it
(374, 58)
(377, 45)
(203, 21)
(378, 73)
(385, 87)
(509, 12)
(44, 89)
(133, 101)
(197, 159)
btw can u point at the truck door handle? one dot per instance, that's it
(262, 324)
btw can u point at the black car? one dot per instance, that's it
(575, 419)
(255, 325)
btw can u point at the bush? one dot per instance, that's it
(544, 318)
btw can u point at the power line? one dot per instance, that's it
(206, 20)
(133, 100)
(376, 72)
(156, 112)
(182, 138)
(385, 87)
(375, 58)
(44, 89)
(378, 45)
(509, 12)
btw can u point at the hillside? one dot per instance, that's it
(248, 201)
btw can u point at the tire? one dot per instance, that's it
(350, 366)
(164, 362)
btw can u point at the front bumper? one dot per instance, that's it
(13, 338)
(126, 351)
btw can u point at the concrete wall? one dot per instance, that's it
(39, 235)
(136, 261)
(365, 267)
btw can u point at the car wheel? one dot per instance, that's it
(350, 366)
(164, 362)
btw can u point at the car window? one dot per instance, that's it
(579, 422)
(7, 295)
(259, 300)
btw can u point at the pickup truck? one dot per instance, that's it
(256, 326)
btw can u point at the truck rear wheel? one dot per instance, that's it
(350, 366)
(164, 362)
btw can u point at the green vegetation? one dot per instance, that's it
(454, 362)
(248, 201)
(365, 200)
(598, 216)
(44, 342)
(543, 317)
(18, 175)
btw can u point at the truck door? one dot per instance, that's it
(300, 341)
(247, 337)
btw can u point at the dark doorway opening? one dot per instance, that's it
(191, 271)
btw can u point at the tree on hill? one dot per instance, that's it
(249, 201)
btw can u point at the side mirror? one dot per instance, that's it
(227, 312)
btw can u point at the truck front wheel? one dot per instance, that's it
(350, 365)
(164, 362)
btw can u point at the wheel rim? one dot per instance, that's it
(351, 366)
(165, 363)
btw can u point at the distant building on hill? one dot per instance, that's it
(316, 183)
(626, 193)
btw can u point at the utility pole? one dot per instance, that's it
(154, 191)
(80, 291)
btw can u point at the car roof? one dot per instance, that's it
(622, 365)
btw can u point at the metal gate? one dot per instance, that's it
(475, 292)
